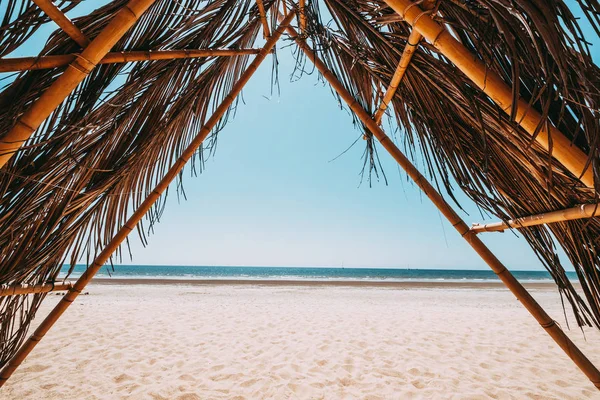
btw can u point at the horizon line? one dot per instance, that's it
(316, 267)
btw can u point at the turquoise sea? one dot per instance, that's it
(305, 273)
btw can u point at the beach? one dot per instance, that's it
(145, 339)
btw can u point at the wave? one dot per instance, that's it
(306, 273)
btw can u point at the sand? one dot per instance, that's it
(301, 342)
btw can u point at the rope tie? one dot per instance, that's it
(423, 13)
(82, 64)
(411, 5)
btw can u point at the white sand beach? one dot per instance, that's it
(287, 342)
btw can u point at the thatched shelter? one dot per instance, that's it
(501, 97)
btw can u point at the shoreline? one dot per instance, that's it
(422, 284)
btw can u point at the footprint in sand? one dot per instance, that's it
(36, 368)
(346, 381)
(418, 384)
(296, 367)
(561, 383)
(428, 375)
(48, 386)
(392, 373)
(189, 396)
(348, 367)
(249, 382)
(156, 396)
(122, 378)
(187, 377)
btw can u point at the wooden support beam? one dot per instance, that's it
(547, 323)
(137, 216)
(263, 18)
(569, 214)
(492, 84)
(14, 290)
(46, 62)
(77, 71)
(63, 21)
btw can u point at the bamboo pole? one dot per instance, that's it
(136, 217)
(411, 46)
(263, 18)
(409, 50)
(302, 15)
(569, 214)
(41, 109)
(63, 21)
(46, 62)
(13, 290)
(509, 280)
(491, 84)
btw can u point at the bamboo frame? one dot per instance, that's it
(71, 78)
(491, 84)
(569, 214)
(14, 290)
(46, 62)
(63, 21)
(263, 18)
(499, 269)
(136, 217)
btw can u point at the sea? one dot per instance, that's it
(305, 273)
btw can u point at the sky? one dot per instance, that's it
(272, 196)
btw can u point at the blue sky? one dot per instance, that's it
(271, 196)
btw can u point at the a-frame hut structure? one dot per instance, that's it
(501, 97)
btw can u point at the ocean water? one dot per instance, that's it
(304, 273)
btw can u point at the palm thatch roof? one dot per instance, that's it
(72, 185)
